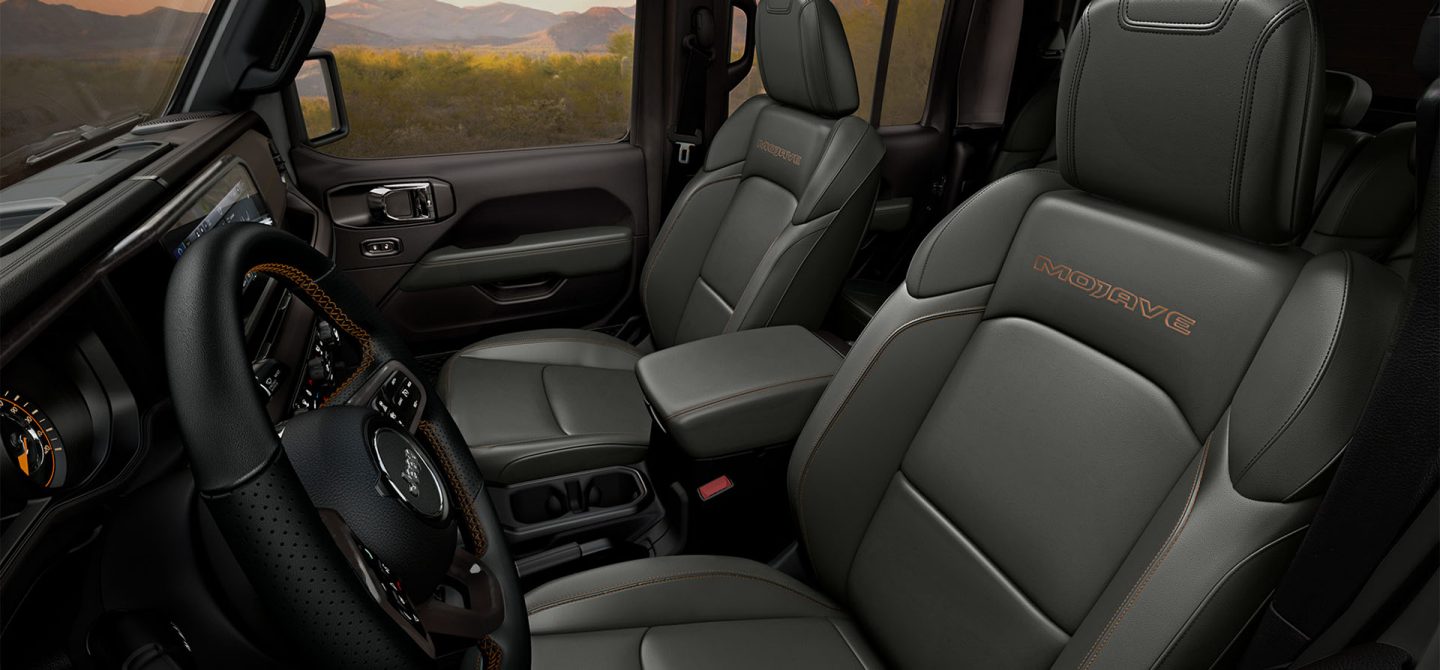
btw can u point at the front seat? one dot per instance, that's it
(762, 236)
(1090, 428)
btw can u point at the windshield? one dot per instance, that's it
(72, 70)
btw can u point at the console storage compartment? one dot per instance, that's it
(737, 392)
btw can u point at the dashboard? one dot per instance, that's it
(85, 422)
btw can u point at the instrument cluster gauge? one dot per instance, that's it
(32, 443)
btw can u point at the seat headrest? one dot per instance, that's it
(1207, 111)
(1347, 98)
(804, 58)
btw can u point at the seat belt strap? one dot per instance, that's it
(688, 131)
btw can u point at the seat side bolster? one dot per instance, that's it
(671, 590)
(968, 247)
(799, 284)
(1208, 557)
(1310, 380)
(851, 157)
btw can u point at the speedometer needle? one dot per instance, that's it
(25, 455)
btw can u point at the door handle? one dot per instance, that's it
(403, 203)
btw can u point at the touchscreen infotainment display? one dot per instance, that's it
(231, 197)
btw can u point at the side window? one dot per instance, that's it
(912, 57)
(458, 76)
(912, 52)
(739, 23)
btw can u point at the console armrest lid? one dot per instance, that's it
(739, 391)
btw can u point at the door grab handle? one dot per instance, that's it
(403, 203)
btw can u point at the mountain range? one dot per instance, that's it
(418, 22)
(34, 27)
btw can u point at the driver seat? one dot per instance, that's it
(1092, 426)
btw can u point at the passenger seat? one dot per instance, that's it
(1029, 143)
(762, 236)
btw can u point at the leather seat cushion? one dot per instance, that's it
(547, 402)
(690, 612)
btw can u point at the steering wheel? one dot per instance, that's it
(352, 517)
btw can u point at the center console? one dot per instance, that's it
(727, 411)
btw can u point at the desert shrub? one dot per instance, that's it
(437, 100)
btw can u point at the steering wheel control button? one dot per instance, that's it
(393, 588)
(268, 374)
(386, 410)
(399, 398)
(408, 472)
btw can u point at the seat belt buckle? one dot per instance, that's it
(684, 146)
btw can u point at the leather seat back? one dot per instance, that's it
(1090, 428)
(764, 234)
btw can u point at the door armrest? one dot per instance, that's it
(560, 253)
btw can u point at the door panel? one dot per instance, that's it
(520, 239)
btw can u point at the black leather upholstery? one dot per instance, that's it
(1090, 428)
(763, 235)
(805, 59)
(692, 612)
(1249, 82)
(1030, 142)
(725, 395)
(546, 402)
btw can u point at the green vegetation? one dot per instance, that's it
(912, 53)
(408, 102)
(438, 99)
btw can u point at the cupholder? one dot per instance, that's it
(612, 489)
(537, 504)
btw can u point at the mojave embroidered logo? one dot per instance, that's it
(1100, 289)
(778, 151)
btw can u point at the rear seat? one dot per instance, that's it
(1373, 199)
(1030, 140)
(1364, 195)
(1347, 98)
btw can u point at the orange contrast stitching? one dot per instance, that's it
(490, 653)
(1154, 566)
(321, 299)
(472, 522)
(850, 393)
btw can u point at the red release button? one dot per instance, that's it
(715, 487)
